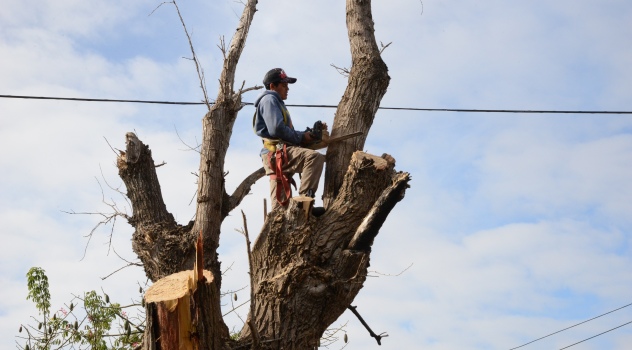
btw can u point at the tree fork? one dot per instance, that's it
(306, 271)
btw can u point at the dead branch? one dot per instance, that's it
(222, 46)
(237, 44)
(256, 87)
(330, 337)
(232, 201)
(107, 218)
(378, 337)
(253, 328)
(198, 68)
(234, 309)
(342, 71)
(119, 269)
(383, 47)
(190, 148)
(391, 275)
(112, 148)
(368, 230)
(237, 97)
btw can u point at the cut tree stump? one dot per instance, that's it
(180, 312)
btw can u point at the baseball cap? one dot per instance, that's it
(277, 75)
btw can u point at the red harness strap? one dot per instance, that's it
(282, 180)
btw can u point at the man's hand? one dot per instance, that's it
(308, 138)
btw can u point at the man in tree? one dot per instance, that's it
(282, 153)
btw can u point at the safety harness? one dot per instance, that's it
(277, 158)
(282, 179)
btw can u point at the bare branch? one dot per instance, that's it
(234, 309)
(112, 148)
(190, 148)
(157, 7)
(198, 68)
(329, 337)
(241, 191)
(343, 71)
(384, 47)
(119, 269)
(129, 263)
(237, 97)
(237, 44)
(256, 87)
(391, 275)
(107, 218)
(253, 328)
(378, 337)
(222, 46)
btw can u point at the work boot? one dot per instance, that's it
(318, 211)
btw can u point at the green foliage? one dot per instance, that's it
(38, 289)
(99, 325)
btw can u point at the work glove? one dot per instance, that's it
(316, 132)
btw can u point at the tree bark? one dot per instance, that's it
(163, 246)
(368, 81)
(308, 270)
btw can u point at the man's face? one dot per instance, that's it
(281, 89)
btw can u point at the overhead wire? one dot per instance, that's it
(465, 110)
(575, 325)
(595, 336)
(521, 111)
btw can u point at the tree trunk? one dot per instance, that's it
(368, 81)
(308, 270)
(180, 314)
(305, 270)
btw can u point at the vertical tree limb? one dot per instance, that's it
(368, 81)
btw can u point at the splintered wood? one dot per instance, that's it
(380, 163)
(171, 297)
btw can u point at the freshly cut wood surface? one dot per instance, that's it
(174, 286)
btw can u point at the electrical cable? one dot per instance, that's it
(521, 111)
(98, 100)
(609, 312)
(595, 336)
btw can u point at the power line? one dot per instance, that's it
(594, 336)
(98, 100)
(463, 110)
(596, 317)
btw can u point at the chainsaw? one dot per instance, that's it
(323, 138)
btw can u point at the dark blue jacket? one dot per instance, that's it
(273, 121)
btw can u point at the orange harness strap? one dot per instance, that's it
(282, 180)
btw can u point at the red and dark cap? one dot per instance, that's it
(277, 75)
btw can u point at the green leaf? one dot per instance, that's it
(38, 289)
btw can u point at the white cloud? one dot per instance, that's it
(516, 225)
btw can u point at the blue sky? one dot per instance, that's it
(515, 225)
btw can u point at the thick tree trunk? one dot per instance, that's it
(305, 270)
(308, 270)
(368, 81)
